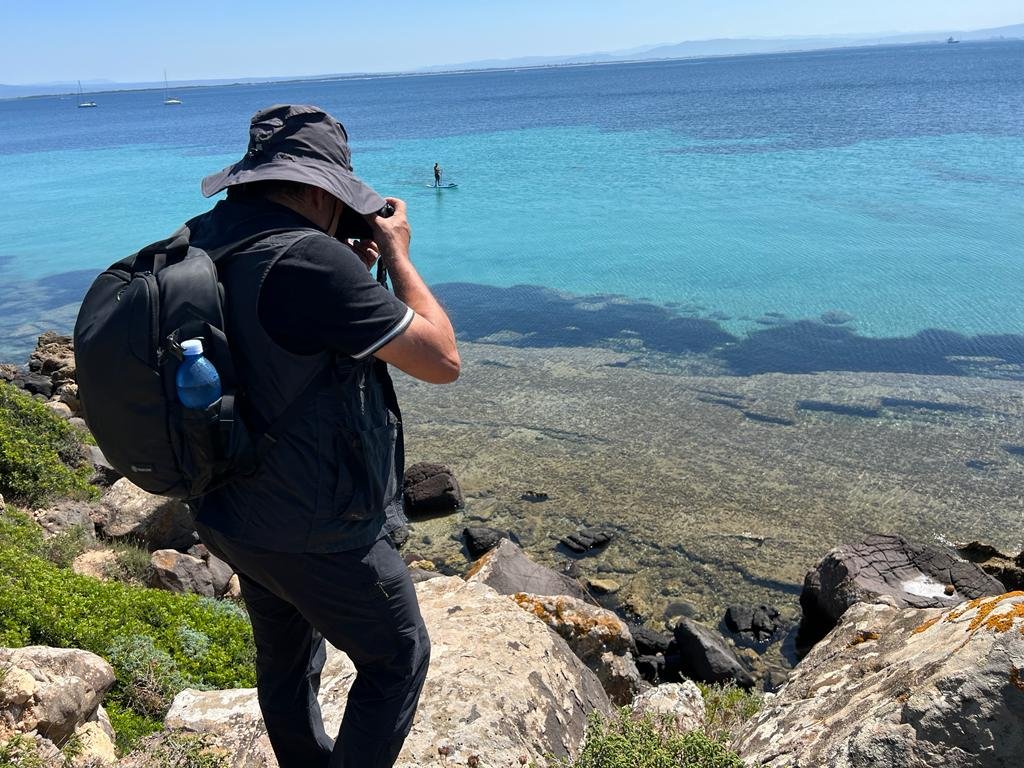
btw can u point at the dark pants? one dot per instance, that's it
(363, 602)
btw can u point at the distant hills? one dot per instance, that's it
(688, 49)
(736, 47)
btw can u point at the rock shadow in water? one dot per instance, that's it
(810, 347)
(532, 316)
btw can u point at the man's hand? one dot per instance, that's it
(392, 233)
(367, 250)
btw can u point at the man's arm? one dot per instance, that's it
(426, 350)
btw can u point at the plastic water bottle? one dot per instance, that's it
(197, 380)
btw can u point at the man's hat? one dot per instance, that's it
(298, 143)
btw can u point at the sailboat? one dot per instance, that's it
(81, 103)
(166, 99)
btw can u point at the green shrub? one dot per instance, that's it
(149, 678)
(131, 564)
(726, 708)
(41, 455)
(644, 742)
(178, 749)
(19, 751)
(129, 726)
(46, 605)
(63, 548)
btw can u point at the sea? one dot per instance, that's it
(852, 211)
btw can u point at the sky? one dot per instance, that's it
(135, 40)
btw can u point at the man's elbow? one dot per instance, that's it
(450, 368)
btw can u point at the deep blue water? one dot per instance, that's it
(852, 209)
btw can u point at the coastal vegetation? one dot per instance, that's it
(41, 455)
(158, 642)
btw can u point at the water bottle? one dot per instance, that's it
(197, 380)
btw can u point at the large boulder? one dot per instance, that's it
(886, 565)
(596, 635)
(508, 570)
(903, 688)
(431, 489)
(177, 572)
(52, 691)
(128, 512)
(701, 653)
(500, 685)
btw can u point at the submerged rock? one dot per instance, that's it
(1008, 570)
(431, 489)
(480, 539)
(757, 623)
(903, 688)
(500, 685)
(587, 539)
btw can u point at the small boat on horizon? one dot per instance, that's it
(951, 40)
(81, 103)
(166, 99)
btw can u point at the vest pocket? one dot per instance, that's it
(366, 472)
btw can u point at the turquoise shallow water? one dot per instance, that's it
(698, 185)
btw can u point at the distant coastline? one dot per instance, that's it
(800, 45)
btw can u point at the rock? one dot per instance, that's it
(234, 590)
(67, 393)
(534, 497)
(603, 586)
(59, 409)
(177, 572)
(158, 522)
(480, 539)
(65, 516)
(886, 565)
(902, 688)
(95, 744)
(54, 356)
(103, 473)
(648, 641)
(597, 636)
(431, 489)
(220, 574)
(97, 563)
(651, 667)
(702, 654)
(757, 623)
(1009, 571)
(67, 687)
(35, 384)
(682, 702)
(508, 570)
(588, 539)
(500, 685)
(78, 422)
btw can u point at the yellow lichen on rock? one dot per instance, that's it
(985, 613)
(927, 625)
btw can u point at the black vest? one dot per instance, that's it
(332, 480)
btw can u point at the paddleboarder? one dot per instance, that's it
(437, 175)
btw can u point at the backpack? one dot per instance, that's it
(127, 345)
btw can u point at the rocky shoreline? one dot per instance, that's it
(536, 552)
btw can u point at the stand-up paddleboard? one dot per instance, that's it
(443, 186)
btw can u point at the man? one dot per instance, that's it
(437, 175)
(312, 333)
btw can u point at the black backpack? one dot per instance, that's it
(127, 350)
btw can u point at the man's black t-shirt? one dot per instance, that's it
(319, 295)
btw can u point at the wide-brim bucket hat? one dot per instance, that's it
(289, 142)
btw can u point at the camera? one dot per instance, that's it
(354, 226)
